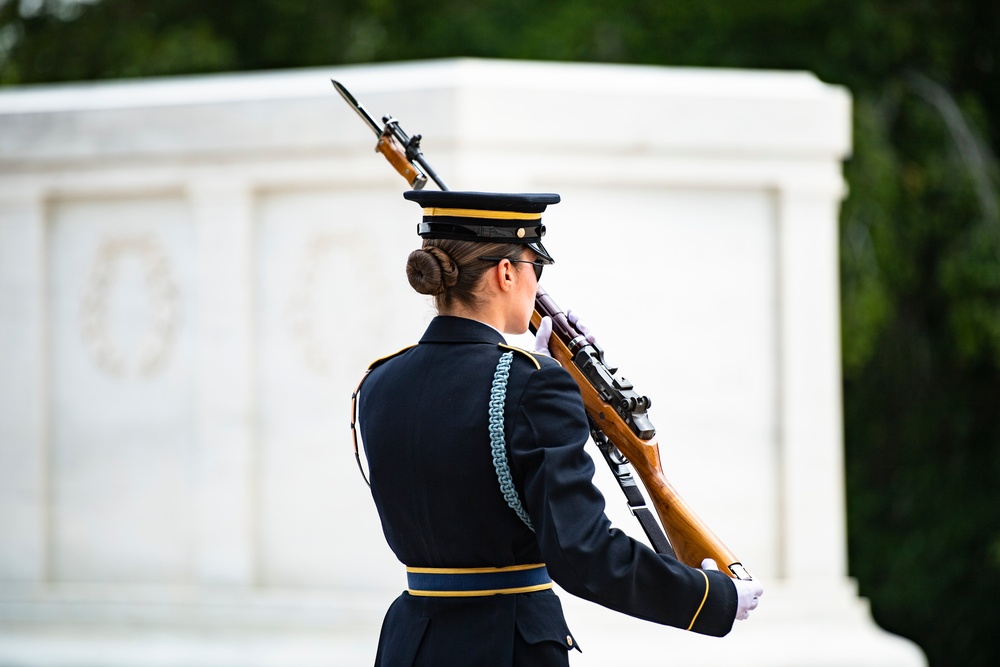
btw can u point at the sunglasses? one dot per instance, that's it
(536, 265)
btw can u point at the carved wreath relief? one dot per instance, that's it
(146, 357)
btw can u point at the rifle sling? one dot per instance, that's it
(648, 522)
(633, 495)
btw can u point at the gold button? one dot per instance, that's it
(569, 640)
(520, 232)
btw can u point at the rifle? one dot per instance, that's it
(619, 423)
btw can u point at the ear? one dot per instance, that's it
(503, 274)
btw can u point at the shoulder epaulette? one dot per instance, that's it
(525, 353)
(382, 360)
(354, 406)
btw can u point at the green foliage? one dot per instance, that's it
(921, 277)
(920, 228)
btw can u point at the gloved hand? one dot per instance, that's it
(542, 336)
(545, 332)
(747, 592)
(574, 319)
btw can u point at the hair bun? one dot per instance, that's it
(431, 271)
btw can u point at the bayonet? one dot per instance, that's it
(360, 110)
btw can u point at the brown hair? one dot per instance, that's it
(450, 270)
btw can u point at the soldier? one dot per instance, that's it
(478, 469)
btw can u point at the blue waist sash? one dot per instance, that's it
(474, 581)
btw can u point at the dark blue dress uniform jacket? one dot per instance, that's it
(424, 424)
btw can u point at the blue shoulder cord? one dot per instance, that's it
(498, 397)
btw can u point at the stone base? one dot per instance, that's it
(796, 626)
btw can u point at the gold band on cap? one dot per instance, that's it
(476, 213)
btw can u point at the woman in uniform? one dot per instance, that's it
(478, 469)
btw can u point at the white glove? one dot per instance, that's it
(545, 332)
(747, 592)
(574, 319)
(542, 336)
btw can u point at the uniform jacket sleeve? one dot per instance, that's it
(584, 553)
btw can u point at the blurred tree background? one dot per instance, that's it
(920, 229)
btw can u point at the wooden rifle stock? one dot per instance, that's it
(690, 537)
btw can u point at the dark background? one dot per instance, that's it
(920, 229)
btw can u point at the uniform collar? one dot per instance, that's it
(450, 329)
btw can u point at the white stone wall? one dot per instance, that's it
(194, 273)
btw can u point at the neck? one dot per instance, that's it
(486, 313)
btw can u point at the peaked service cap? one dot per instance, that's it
(484, 217)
